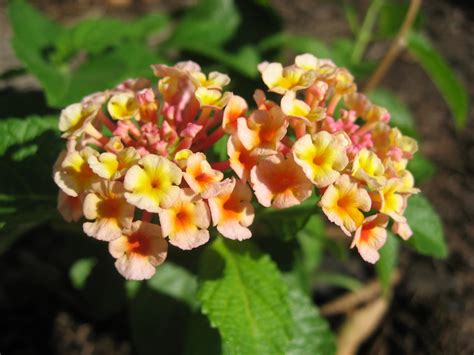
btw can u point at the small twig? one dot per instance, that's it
(360, 325)
(351, 300)
(396, 47)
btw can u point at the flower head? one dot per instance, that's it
(75, 119)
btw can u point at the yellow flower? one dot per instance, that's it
(108, 209)
(75, 118)
(301, 110)
(215, 80)
(343, 201)
(368, 167)
(151, 184)
(280, 80)
(212, 97)
(123, 106)
(113, 166)
(72, 172)
(391, 202)
(321, 157)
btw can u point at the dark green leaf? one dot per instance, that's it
(391, 18)
(249, 303)
(452, 89)
(428, 236)
(175, 281)
(388, 261)
(209, 24)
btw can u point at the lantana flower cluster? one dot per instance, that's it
(138, 166)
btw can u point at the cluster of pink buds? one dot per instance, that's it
(136, 167)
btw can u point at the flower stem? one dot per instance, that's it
(364, 35)
(397, 45)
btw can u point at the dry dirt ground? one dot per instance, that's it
(433, 306)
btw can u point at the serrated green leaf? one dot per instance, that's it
(209, 24)
(249, 303)
(452, 89)
(312, 334)
(400, 115)
(80, 271)
(177, 282)
(388, 261)
(428, 236)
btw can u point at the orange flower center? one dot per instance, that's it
(108, 208)
(139, 244)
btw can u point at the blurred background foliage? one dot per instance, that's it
(258, 294)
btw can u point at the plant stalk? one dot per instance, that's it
(396, 47)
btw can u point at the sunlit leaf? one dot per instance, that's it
(249, 303)
(428, 236)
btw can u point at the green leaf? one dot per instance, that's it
(337, 279)
(157, 322)
(400, 115)
(30, 26)
(421, 168)
(285, 223)
(80, 271)
(175, 281)
(209, 24)
(18, 131)
(311, 240)
(249, 303)
(388, 261)
(428, 236)
(312, 334)
(452, 89)
(27, 192)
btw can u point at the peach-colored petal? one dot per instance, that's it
(70, 207)
(139, 250)
(199, 175)
(185, 222)
(236, 107)
(280, 182)
(241, 160)
(370, 237)
(231, 209)
(402, 229)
